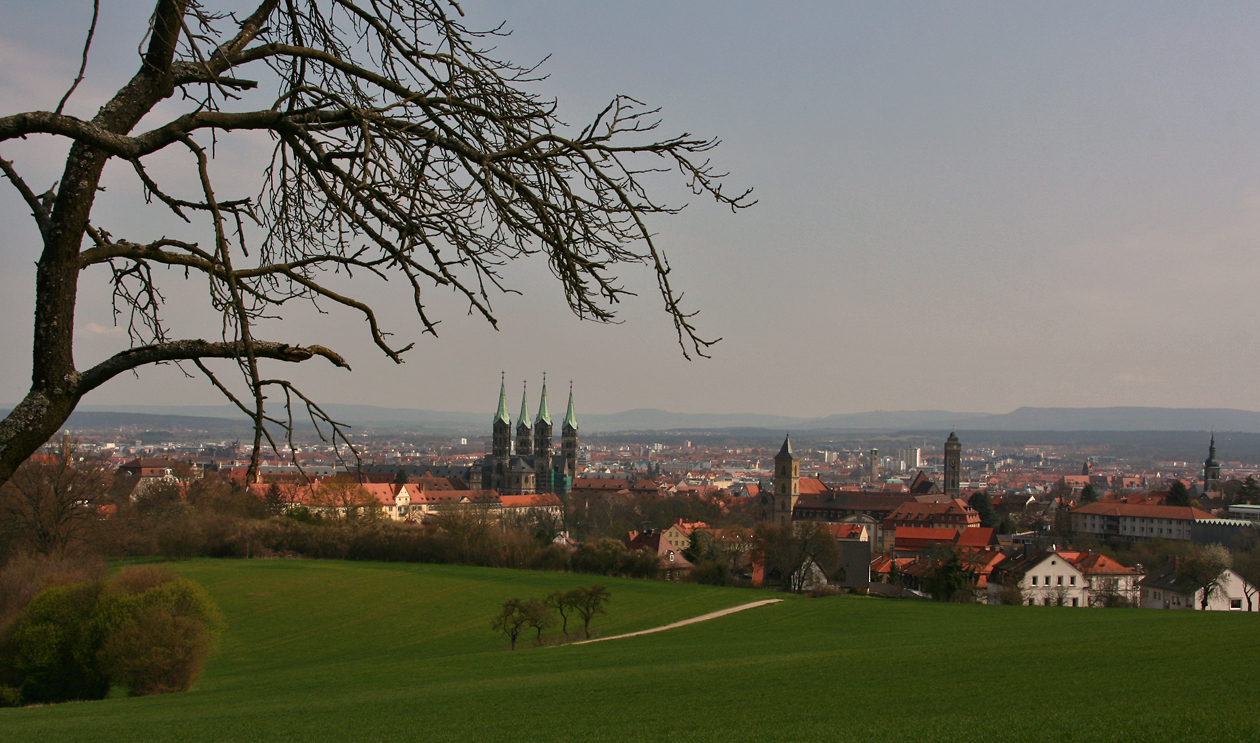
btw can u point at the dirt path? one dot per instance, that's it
(693, 620)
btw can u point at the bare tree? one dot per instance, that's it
(52, 501)
(1205, 570)
(402, 150)
(793, 553)
(511, 620)
(588, 602)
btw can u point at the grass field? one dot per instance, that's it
(328, 651)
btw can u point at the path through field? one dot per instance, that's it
(693, 620)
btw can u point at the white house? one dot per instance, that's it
(1164, 589)
(1064, 578)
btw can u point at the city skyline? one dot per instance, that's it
(976, 207)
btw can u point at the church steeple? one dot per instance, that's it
(542, 444)
(1211, 469)
(524, 432)
(569, 442)
(570, 420)
(787, 483)
(502, 440)
(544, 413)
(502, 415)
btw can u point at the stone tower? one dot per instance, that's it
(953, 466)
(502, 446)
(787, 483)
(569, 439)
(1211, 469)
(873, 465)
(524, 434)
(542, 444)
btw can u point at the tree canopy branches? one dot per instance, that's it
(402, 147)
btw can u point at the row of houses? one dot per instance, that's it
(407, 501)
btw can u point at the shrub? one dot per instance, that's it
(49, 654)
(147, 630)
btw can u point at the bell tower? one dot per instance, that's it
(953, 466)
(524, 434)
(569, 440)
(1211, 469)
(542, 444)
(787, 483)
(502, 442)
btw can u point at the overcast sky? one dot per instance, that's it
(962, 206)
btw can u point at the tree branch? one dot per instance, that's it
(189, 350)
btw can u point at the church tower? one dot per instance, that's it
(502, 445)
(1211, 469)
(569, 440)
(542, 444)
(787, 483)
(953, 466)
(524, 434)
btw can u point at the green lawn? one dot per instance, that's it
(328, 651)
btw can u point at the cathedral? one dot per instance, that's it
(529, 467)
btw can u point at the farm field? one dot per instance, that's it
(331, 651)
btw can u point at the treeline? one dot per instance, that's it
(540, 614)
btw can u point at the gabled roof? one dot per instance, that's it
(1113, 508)
(977, 536)
(812, 486)
(530, 501)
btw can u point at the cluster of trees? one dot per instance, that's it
(145, 629)
(540, 614)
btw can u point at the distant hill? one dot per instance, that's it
(225, 418)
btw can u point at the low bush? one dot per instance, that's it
(147, 630)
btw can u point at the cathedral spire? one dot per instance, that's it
(502, 415)
(544, 414)
(570, 420)
(524, 419)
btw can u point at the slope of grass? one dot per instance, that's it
(330, 651)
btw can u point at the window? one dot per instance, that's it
(1072, 582)
(1235, 604)
(1034, 580)
(1060, 581)
(1076, 602)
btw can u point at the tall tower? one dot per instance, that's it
(787, 483)
(873, 466)
(502, 441)
(953, 465)
(542, 444)
(569, 439)
(524, 434)
(1211, 469)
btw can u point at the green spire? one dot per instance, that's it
(544, 414)
(524, 407)
(570, 420)
(502, 415)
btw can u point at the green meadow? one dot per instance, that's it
(331, 651)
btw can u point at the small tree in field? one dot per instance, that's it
(538, 616)
(588, 602)
(511, 620)
(563, 604)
